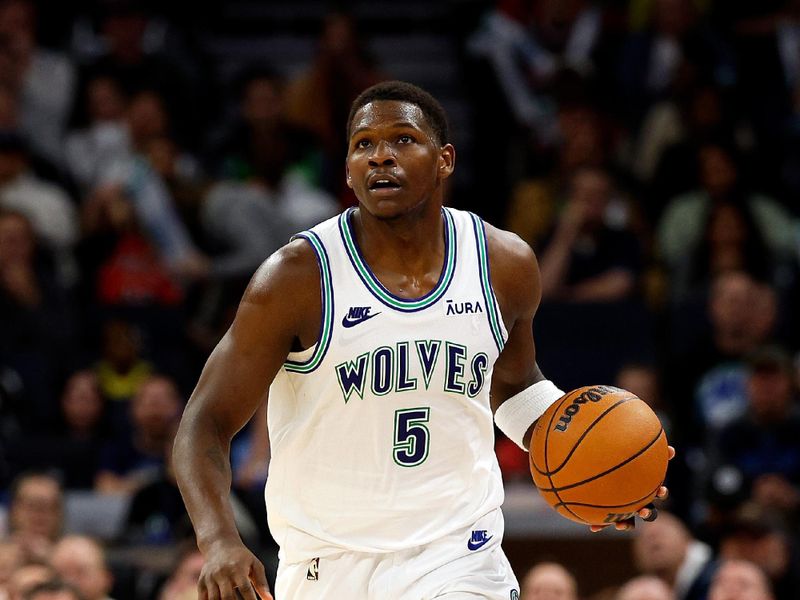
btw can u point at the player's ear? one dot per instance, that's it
(447, 160)
(347, 176)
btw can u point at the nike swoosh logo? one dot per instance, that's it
(348, 322)
(475, 545)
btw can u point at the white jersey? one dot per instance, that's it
(382, 435)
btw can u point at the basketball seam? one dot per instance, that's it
(584, 434)
(555, 490)
(642, 499)
(547, 465)
(533, 461)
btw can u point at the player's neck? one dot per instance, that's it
(413, 243)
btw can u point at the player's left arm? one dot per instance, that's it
(517, 286)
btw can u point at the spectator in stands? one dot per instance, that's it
(741, 316)
(261, 134)
(81, 562)
(28, 577)
(676, 47)
(588, 258)
(183, 580)
(36, 514)
(665, 548)
(758, 535)
(11, 558)
(72, 448)
(90, 149)
(526, 46)
(184, 182)
(53, 590)
(131, 461)
(49, 209)
(83, 411)
(136, 48)
(757, 455)
(584, 141)
(645, 587)
(156, 514)
(249, 220)
(121, 370)
(319, 99)
(723, 226)
(43, 79)
(35, 318)
(109, 158)
(739, 580)
(549, 581)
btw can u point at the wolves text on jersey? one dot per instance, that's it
(388, 369)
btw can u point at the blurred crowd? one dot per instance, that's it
(648, 150)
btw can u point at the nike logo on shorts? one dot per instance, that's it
(479, 539)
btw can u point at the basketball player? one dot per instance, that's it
(381, 332)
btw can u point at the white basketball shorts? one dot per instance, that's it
(468, 564)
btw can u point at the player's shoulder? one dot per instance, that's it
(514, 270)
(290, 272)
(508, 249)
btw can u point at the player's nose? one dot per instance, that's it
(382, 155)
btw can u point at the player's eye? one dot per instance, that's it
(362, 143)
(405, 139)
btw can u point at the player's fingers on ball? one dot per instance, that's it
(648, 513)
(671, 452)
(662, 493)
(596, 528)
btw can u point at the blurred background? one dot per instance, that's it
(153, 154)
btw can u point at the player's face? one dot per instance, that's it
(394, 163)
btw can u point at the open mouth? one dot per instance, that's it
(384, 184)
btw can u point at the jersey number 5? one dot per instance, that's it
(411, 436)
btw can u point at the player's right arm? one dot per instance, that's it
(279, 309)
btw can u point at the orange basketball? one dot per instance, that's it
(598, 455)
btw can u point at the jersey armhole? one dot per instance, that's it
(496, 324)
(309, 359)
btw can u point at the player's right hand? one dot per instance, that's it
(232, 572)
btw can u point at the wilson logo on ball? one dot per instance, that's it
(592, 394)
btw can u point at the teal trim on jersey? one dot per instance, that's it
(326, 327)
(379, 290)
(492, 310)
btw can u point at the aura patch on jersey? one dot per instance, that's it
(462, 308)
(389, 369)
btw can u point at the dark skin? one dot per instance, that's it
(400, 232)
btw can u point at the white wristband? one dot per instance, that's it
(515, 415)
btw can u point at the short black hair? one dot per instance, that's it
(405, 92)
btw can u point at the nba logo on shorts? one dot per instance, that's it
(313, 570)
(514, 595)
